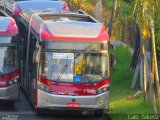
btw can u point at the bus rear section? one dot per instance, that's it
(17, 7)
(9, 72)
(74, 65)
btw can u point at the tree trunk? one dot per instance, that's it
(98, 11)
(155, 59)
(136, 73)
(112, 17)
(143, 65)
(151, 88)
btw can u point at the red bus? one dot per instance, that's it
(66, 62)
(9, 72)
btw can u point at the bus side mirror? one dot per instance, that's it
(112, 55)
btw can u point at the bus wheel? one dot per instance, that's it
(99, 113)
(39, 112)
(12, 104)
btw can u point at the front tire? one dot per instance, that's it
(99, 113)
(39, 112)
(11, 104)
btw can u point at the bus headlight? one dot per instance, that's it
(44, 88)
(103, 89)
(12, 81)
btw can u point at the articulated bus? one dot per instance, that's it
(9, 72)
(66, 61)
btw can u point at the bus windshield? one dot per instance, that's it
(8, 55)
(75, 67)
(8, 60)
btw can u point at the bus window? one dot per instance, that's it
(67, 66)
(8, 60)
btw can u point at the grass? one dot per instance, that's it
(121, 77)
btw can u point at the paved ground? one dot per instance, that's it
(24, 111)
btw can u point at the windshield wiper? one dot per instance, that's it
(89, 80)
(62, 72)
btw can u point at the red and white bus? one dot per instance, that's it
(9, 72)
(66, 61)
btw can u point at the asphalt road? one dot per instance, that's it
(24, 111)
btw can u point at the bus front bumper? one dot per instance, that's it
(10, 93)
(51, 101)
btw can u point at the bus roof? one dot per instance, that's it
(45, 5)
(7, 25)
(72, 26)
(65, 26)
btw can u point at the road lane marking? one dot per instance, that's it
(18, 113)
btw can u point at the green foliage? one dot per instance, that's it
(126, 8)
(157, 32)
(121, 78)
(123, 13)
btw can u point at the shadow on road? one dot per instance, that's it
(64, 116)
(7, 106)
(69, 115)
(24, 111)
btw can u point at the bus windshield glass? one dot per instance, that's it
(88, 64)
(8, 55)
(8, 39)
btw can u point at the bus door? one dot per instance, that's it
(32, 67)
(20, 48)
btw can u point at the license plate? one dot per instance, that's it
(73, 105)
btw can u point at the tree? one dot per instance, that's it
(113, 14)
(145, 17)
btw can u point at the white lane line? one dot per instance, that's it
(18, 113)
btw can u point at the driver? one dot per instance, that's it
(55, 69)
